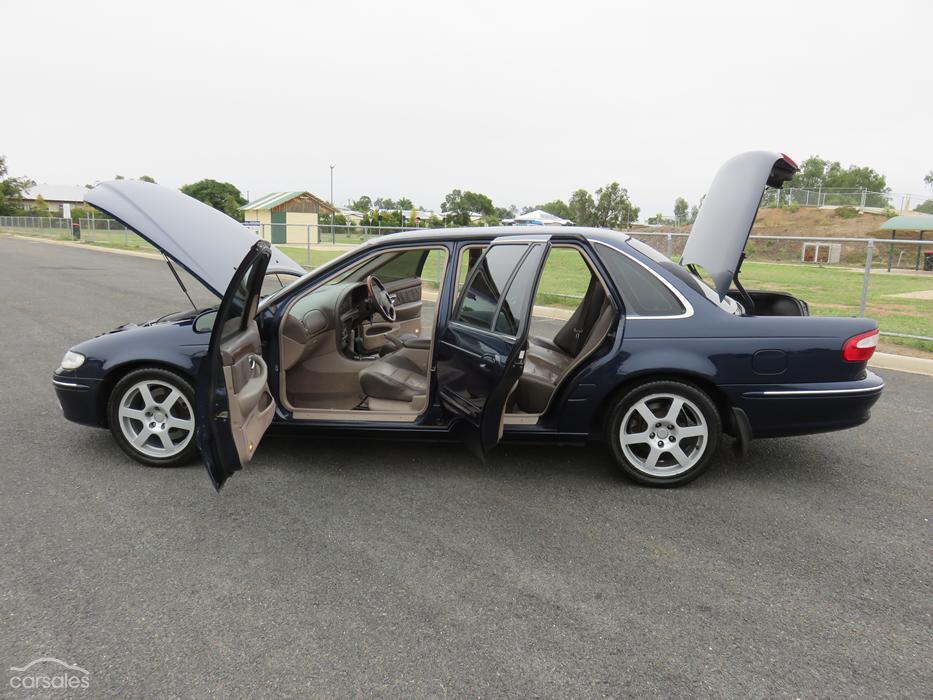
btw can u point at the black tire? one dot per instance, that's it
(161, 377)
(696, 450)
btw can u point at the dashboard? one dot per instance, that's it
(340, 308)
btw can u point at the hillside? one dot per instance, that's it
(817, 222)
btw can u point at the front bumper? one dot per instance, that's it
(79, 399)
(779, 410)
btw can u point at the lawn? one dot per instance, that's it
(830, 291)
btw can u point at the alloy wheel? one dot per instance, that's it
(156, 418)
(664, 434)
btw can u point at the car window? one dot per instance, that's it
(274, 281)
(238, 310)
(642, 293)
(469, 256)
(480, 299)
(389, 267)
(515, 305)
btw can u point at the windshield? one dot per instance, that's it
(272, 298)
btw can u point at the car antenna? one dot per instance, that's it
(178, 279)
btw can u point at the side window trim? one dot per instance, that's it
(688, 307)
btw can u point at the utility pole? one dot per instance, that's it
(333, 214)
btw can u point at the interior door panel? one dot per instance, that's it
(408, 304)
(246, 377)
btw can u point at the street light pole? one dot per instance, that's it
(333, 214)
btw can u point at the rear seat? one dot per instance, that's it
(548, 361)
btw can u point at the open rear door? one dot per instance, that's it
(481, 355)
(234, 404)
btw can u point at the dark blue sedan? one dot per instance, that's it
(438, 334)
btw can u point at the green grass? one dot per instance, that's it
(318, 256)
(829, 291)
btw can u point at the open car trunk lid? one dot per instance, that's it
(720, 232)
(204, 241)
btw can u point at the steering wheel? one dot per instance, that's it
(381, 298)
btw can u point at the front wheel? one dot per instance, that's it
(664, 433)
(151, 414)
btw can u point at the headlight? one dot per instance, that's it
(72, 360)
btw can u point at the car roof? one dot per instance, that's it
(468, 233)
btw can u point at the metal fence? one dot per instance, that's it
(860, 198)
(863, 289)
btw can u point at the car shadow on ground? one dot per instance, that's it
(767, 461)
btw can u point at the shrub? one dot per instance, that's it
(793, 208)
(846, 212)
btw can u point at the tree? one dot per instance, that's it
(582, 208)
(694, 210)
(461, 204)
(362, 205)
(614, 209)
(40, 207)
(680, 210)
(147, 178)
(816, 172)
(221, 195)
(405, 204)
(660, 220)
(384, 203)
(118, 177)
(11, 190)
(926, 207)
(928, 179)
(557, 208)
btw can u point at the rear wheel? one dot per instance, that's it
(665, 433)
(151, 414)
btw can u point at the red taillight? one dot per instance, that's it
(860, 348)
(790, 161)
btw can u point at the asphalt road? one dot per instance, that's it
(338, 568)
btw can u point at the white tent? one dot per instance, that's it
(539, 217)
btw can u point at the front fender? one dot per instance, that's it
(171, 345)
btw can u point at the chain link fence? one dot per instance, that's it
(837, 276)
(859, 198)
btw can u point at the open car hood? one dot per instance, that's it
(206, 242)
(720, 232)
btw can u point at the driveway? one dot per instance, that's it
(338, 568)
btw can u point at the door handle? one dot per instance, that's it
(488, 362)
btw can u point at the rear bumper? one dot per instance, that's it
(78, 399)
(778, 410)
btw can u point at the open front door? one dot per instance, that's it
(481, 355)
(234, 404)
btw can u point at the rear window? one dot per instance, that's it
(642, 293)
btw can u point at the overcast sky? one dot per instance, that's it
(524, 102)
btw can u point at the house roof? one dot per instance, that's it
(274, 199)
(56, 193)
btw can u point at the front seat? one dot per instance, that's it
(400, 376)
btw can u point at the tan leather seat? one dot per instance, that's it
(400, 376)
(547, 362)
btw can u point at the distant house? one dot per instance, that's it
(286, 217)
(421, 215)
(55, 196)
(351, 215)
(538, 217)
